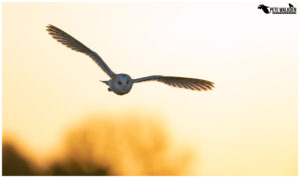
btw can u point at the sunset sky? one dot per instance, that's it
(247, 125)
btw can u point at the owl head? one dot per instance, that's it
(121, 84)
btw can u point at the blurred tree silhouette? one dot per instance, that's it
(74, 167)
(125, 146)
(13, 163)
(109, 146)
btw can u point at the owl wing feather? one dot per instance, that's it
(179, 82)
(76, 45)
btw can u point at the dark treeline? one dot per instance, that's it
(107, 146)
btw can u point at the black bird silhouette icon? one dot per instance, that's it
(264, 8)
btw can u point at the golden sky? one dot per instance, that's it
(247, 125)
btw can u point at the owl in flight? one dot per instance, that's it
(122, 83)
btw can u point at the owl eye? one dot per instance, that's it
(119, 83)
(127, 82)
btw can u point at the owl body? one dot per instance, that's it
(120, 84)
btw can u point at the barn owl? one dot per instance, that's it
(122, 83)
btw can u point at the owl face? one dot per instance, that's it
(121, 84)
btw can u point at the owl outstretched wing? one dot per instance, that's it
(180, 82)
(76, 45)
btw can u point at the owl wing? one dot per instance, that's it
(180, 82)
(76, 45)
